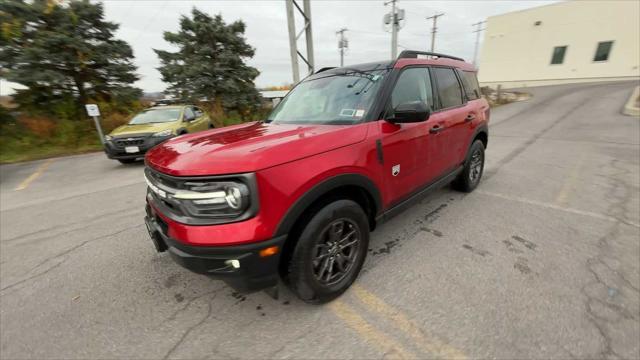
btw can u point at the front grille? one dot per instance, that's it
(168, 181)
(129, 142)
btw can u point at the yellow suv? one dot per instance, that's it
(152, 126)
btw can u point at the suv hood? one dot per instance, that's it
(142, 128)
(249, 147)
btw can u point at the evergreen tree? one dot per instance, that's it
(209, 62)
(65, 54)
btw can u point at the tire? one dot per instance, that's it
(335, 221)
(211, 126)
(470, 176)
(127, 161)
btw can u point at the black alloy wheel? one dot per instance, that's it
(329, 251)
(473, 168)
(336, 251)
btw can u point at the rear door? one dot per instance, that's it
(452, 117)
(479, 108)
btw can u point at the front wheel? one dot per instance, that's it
(330, 252)
(470, 176)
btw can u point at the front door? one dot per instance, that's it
(404, 146)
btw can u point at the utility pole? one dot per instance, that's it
(434, 29)
(477, 31)
(342, 44)
(305, 11)
(394, 18)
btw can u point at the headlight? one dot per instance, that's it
(195, 200)
(224, 199)
(167, 132)
(108, 137)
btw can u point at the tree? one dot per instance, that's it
(65, 54)
(209, 62)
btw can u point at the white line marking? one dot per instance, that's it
(560, 208)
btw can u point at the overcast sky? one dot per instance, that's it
(143, 22)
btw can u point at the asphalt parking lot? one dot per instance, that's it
(541, 261)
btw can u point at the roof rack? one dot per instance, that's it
(412, 54)
(325, 69)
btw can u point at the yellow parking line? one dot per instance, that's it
(392, 348)
(25, 183)
(426, 343)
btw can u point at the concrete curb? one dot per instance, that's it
(632, 107)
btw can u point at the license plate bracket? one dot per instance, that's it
(131, 149)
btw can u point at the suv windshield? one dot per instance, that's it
(156, 116)
(335, 99)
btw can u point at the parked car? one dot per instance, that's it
(295, 197)
(152, 126)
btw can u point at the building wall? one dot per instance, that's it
(517, 53)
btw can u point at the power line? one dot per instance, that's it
(478, 30)
(434, 29)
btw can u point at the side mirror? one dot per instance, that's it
(410, 112)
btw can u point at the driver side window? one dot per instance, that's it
(413, 85)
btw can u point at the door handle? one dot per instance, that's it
(470, 117)
(436, 129)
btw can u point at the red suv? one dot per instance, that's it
(294, 197)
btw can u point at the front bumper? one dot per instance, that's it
(254, 272)
(118, 152)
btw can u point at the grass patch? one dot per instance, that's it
(45, 151)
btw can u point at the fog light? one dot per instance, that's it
(233, 263)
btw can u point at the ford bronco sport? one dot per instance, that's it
(152, 126)
(294, 197)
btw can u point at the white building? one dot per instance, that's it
(567, 42)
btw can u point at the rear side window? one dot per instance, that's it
(413, 85)
(449, 89)
(197, 112)
(470, 83)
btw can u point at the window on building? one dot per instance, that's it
(449, 89)
(603, 50)
(558, 55)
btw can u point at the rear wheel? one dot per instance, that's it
(470, 176)
(330, 252)
(127, 161)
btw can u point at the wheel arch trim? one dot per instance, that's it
(322, 188)
(480, 129)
